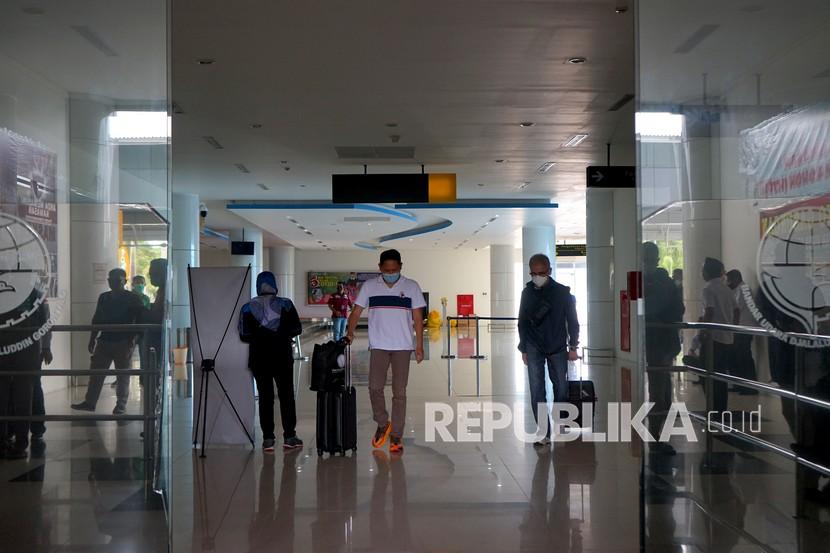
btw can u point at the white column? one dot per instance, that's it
(184, 251)
(539, 239)
(93, 177)
(281, 263)
(248, 235)
(600, 267)
(502, 281)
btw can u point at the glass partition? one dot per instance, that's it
(84, 219)
(734, 191)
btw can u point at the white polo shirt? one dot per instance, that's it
(390, 312)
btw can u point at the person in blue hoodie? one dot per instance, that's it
(268, 324)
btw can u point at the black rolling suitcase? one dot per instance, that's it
(582, 392)
(337, 415)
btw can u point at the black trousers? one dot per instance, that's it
(283, 377)
(744, 363)
(724, 363)
(16, 396)
(38, 407)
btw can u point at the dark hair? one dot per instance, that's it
(390, 255)
(735, 274)
(712, 268)
(539, 258)
(136, 277)
(118, 272)
(651, 253)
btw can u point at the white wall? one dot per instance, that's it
(34, 107)
(442, 273)
(212, 257)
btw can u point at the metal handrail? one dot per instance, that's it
(737, 329)
(710, 375)
(149, 417)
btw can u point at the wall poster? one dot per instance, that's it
(28, 190)
(321, 285)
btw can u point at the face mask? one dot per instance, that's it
(391, 278)
(539, 281)
(139, 288)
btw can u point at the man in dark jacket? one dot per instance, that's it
(548, 333)
(663, 304)
(269, 323)
(119, 306)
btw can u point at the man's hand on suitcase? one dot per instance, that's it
(349, 338)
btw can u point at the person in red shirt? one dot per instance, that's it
(340, 303)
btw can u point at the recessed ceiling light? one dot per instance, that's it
(577, 60)
(481, 184)
(284, 162)
(499, 161)
(524, 185)
(392, 125)
(526, 124)
(206, 61)
(545, 167)
(302, 186)
(261, 185)
(575, 141)
(621, 9)
(256, 125)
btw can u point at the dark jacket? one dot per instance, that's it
(270, 349)
(663, 304)
(547, 319)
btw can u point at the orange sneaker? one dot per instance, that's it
(396, 445)
(381, 435)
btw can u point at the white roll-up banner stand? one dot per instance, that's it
(214, 293)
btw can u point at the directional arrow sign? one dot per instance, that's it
(611, 176)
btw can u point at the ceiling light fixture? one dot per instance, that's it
(526, 124)
(579, 60)
(499, 161)
(256, 125)
(575, 141)
(392, 125)
(621, 9)
(213, 142)
(139, 127)
(261, 185)
(480, 184)
(659, 124)
(524, 185)
(545, 167)
(206, 61)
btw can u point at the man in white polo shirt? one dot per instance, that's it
(395, 305)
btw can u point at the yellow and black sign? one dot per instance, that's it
(393, 188)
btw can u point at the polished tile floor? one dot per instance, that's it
(85, 491)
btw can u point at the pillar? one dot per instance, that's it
(502, 281)
(184, 251)
(539, 239)
(599, 213)
(281, 263)
(93, 177)
(248, 235)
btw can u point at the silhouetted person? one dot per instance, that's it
(118, 306)
(744, 364)
(548, 335)
(19, 351)
(663, 304)
(269, 323)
